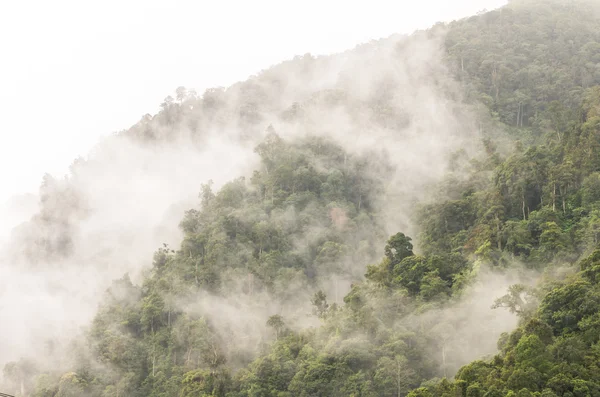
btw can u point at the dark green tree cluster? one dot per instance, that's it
(529, 62)
(540, 205)
(554, 351)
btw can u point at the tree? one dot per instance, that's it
(520, 300)
(397, 248)
(320, 305)
(276, 322)
(394, 377)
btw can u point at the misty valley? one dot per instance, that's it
(418, 216)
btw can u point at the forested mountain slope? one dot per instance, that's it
(480, 139)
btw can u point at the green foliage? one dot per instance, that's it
(553, 352)
(398, 247)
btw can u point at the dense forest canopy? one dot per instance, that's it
(419, 216)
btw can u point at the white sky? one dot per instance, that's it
(73, 70)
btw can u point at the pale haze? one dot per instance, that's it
(74, 71)
(78, 72)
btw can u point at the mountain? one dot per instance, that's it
(337, 226)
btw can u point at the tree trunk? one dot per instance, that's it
(562, 196)
(215, 356)
(498, 236)
(495, 82)
(398, 379)
(522, 114)
(153, 363)
(444, 359)
(189, 356)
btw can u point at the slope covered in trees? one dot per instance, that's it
(554, 351)
(270, 292)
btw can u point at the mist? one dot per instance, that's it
(134, 199)
(130, 195)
